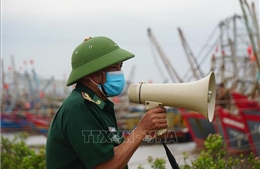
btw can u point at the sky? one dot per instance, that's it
(47, 31)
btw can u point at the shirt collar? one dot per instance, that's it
(90, 95)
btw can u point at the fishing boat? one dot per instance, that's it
(233, 50)
(29, 102)
(240, 127)
(235, 54)
(13, 122)
(237, 108)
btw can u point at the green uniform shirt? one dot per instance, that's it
(83, 133)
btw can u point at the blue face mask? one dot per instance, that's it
(115, 83)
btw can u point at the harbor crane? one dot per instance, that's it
(15, 86)
(197, 73)
(170, 69)
(250, 17)
(129, 81)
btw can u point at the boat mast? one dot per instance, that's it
(233, 49)
(15, 92)
(222, 67)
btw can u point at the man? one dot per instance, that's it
(84, 132)
(223, 96)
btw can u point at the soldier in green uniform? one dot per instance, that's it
(84, 132)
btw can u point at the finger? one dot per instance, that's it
(158, 110)
(158, 121)
(157, 114)
(162, 110)
(160, 116)
(161, 121)
(162, 126)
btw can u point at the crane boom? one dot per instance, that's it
(251, 33)
(172, 72)
(16, 86)
(197, 73)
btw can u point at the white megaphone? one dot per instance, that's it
(198, 96)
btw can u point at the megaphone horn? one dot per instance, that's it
(198, 96)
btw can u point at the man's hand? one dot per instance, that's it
(153, 120)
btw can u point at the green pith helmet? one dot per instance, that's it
(95, 54)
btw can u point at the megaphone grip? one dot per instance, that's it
(150, 105)
(161, 132)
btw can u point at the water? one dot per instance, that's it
(158, 151)
(141, 154)
(33, 140)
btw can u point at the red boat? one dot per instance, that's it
(198, 126)
(241, 127)
(235, 62)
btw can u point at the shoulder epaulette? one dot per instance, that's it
(87, 97)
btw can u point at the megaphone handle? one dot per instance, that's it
(150, 105)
